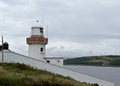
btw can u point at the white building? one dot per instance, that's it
(55, 61)
(37, 45)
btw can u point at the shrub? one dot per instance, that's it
(115, 62)
(23, 75)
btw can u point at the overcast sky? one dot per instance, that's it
(75, 27)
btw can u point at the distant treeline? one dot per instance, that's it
(109, 60)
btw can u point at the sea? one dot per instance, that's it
(105, 73)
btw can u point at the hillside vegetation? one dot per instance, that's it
(110, 60)
(12, 74)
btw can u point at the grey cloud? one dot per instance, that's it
(13, 2)
(89, 38)
(54, 51)
(74, 53)
(80, 21)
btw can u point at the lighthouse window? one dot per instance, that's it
(41, 30)
(41, 49)
(48, 61)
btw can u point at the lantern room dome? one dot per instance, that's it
(37, 23)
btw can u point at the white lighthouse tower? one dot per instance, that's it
(37, 42)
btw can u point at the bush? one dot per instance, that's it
(115, 62)
(23, 75)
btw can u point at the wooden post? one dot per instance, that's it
(2, 51)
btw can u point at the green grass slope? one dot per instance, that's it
(110, 60)
(12, 74)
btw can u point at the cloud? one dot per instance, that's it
(73, 49)
(75, 28)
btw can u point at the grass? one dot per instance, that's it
(15, 74)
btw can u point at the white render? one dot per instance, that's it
(35, 51)
(54, 60)
(10, 56)
(36, 31)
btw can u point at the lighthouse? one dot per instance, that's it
(37, 42)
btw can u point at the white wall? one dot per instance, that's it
(36, 31)
(14, 57)
(55, 61)
(35, 51)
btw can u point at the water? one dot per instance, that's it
(106, 73)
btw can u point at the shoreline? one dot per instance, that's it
(90, 65)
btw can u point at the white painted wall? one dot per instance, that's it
(55, 61)
(35, 51)
(35, 31)
(14, 57)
